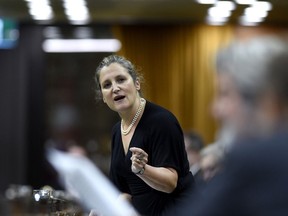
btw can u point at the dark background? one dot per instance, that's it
(34, 84)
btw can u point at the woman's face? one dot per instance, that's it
(118, 87)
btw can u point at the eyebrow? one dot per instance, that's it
(118, 76)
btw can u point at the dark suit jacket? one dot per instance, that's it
(253, 183)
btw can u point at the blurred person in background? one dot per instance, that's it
(149, 163)
(65, 129)
(64, 126)
(210, 162)
(193, 145)
(252, 101)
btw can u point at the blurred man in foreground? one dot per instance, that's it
(211, 161)
(252, 101)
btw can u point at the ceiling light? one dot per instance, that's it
(218, 12)
(41, 12)
(254, 12)
(76, 11)
(81, 45)
(216, 20)
(245, 23)
(262, 5)
(40, 9)
(250, 21)
(225, 5)
(78, 15)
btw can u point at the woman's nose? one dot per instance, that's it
(115, 88)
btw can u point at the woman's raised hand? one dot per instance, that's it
(139, 159)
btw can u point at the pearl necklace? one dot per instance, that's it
(140, 108)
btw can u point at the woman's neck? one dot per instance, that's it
(129, 114)
(126, 128)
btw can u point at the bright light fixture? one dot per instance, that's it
(250, 21)
(254, 12)
(225, 5)
(262, 5)
(216, 20)
(218, 12)
(41, 12)
(76, 11)
(81, 45)
(40, 9)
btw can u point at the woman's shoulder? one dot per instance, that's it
(158, 109)
(157, 113)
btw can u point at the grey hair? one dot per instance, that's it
(251, 64)
(125, 63)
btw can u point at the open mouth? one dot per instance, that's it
(120, 97)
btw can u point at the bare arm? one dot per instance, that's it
(159, 178)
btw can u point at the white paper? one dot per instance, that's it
(91, 187)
